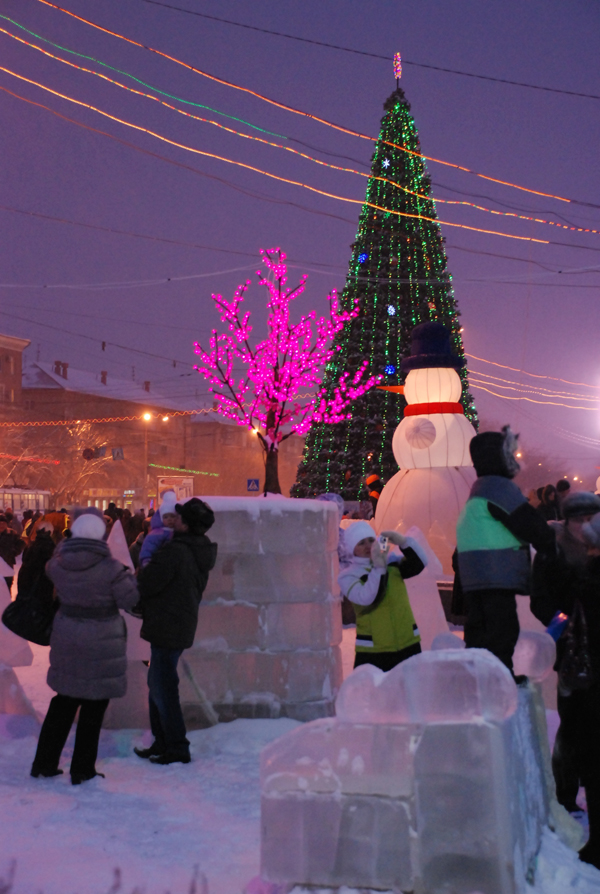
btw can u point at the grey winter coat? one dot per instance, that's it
(89, 636)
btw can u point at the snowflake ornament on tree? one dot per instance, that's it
(275, 386)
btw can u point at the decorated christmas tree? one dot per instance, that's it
(398, 274)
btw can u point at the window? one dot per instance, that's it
(11, 365)
(12, 395)
(2, 392)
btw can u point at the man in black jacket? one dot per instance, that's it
(171, 587)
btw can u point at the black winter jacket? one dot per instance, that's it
(171, 587)
(32, 575)
(11, 546)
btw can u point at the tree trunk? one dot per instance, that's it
(272, 485)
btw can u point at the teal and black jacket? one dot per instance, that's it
(493, 534)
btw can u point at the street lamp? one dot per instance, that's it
(147, 418)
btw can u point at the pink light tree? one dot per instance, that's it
(275, 386)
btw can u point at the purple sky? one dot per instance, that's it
(515, 312)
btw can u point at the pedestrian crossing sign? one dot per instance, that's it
(252, 484)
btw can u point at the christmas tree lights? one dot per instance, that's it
(397, 278)
(260, 386)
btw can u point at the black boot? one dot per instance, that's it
(78, 778)
(153, 751)
(46, 772)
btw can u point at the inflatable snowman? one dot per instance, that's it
(431, 446)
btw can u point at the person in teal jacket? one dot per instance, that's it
(373, 581)
(493, 533)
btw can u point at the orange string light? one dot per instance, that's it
(534, 375)
(260, 171)
(295, 111)
(297, 152)
(540, 390)
(531, 400)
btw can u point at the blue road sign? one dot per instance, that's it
(252, 484)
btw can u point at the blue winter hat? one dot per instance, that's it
(430, 347)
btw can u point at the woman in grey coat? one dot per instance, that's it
(87, 647)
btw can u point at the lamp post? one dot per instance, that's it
(147, 417)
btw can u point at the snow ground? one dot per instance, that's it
(156, 824)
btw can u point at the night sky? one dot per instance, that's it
(525, 305)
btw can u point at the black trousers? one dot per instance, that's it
(492, 623)
(576, 755)
(57, 726)
(385, 661)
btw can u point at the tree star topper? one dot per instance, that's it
(397, 66)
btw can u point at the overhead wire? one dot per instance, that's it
(334, 46)
(257, 170)
(304, 155)
(302, 113)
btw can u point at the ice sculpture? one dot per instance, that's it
(429, 779)
(269, 625)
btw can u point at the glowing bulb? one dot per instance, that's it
(390, 369)
(391, 310)
(519, 455)
(575, 478)
(165, 419)
(147, 417)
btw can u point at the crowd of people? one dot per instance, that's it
(67, 560)
(71, 561)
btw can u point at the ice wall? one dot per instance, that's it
(429, 779)
(269, 625)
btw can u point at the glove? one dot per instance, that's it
(396, 538)
(378, 558)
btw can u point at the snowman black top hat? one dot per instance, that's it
(430, 347)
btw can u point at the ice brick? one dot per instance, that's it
(137, 648)
(258, 672)
(359, 699)
(283, 578)
(220, 579)
(209, 672)
(301, 625)
(534, 656)
(327, 756)
(12, 698)
(314, 675)
(299, 838)
(286, 530)
(352, 840)
(238, 624)
(131, 711)
(447, 641)
(463, 822)
(373, 847)
(253, 525)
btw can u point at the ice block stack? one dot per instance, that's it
(269, 627)
(429, 779)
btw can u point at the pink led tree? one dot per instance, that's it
(275, 386)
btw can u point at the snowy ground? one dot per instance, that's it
(156, 824)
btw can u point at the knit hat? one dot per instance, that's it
(89, 526)
(168, 502)
(78, 511)
(591, 531)
(196, 514)
(581, 503)
(493, 453)
(356, 532)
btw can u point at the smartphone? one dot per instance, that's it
(383, 543)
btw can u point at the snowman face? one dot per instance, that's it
(432, 385)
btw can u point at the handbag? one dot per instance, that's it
(575, 669)
(31, 615)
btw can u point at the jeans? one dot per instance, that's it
(166, 719)
(57, 726)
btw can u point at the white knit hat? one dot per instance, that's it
(356, 532)
(167, 505)
(89, 526)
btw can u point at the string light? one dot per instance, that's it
(295, 111)
(533, 401)
(31, 459)
(540, 390)
(268, 174)
(184, 471)
(397, 66)
(533, 375)
(45, 423)
(127, 74)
